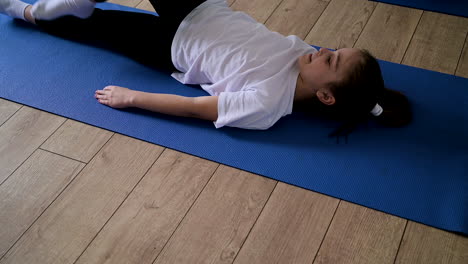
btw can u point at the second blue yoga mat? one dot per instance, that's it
(451, 7)
(419, 172)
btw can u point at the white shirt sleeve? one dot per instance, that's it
(246, 109)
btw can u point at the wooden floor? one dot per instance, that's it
(72, 193)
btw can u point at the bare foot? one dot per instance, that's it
(115, 96)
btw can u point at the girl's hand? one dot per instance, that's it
(115, 96)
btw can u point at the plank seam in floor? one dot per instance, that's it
(255, 222)
(61, 155)
(315, 23)
(461, 53)
(274, 10)
(364, 27)
(326, 232)
(401, 242)
(411, 39)
(66, 119)
(21, 164)
(118, 207)
(11, 116)
(186, 213)
(47, 207)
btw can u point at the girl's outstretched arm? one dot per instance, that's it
(203, 107)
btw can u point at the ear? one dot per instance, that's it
(325, 97)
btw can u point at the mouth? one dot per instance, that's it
(310, 58)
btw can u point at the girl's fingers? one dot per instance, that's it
(100, 96)
(103, 101)
(100, 92)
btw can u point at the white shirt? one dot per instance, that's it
(252, 69)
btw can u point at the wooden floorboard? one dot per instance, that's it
(66, 228)
(131, 3)
(389, 31)
(341, 23)
(145, 5)
(77, 141)
(362, 236)
(7, 109)
(260, 10)
(132, 204)
(462, 69)
(437, 43)
(30, 190)
(296, 17)
(290, 228)
(427, 245)
(144, 223)
(21, 135)
(220, 220)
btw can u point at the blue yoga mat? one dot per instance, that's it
(419, 172)
(451, 7)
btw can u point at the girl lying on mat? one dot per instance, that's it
(254, 76)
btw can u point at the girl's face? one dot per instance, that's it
(319, 69)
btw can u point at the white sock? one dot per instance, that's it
(13, 8)
(51, 9)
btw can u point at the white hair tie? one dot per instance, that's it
(377, 110)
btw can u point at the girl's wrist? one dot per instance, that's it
(133, 98)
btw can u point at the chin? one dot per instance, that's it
(303, 60)
(300, 62)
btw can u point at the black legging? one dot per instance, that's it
(143, 37)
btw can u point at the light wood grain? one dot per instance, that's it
(65, 229)
(21, 135)
(290, 228)
(260, 10)
(77, 140)
(26, 194)
(437, 43)
(145, 5)
(361, 235)
(341, 23)
(296, 17)
(389, 31)
(462, 69)
(220, 220)
(141, 227)
(426, 245)
(131, 3)
(7, 109)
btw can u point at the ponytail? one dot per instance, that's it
(396, 109)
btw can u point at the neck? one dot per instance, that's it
(302, 92)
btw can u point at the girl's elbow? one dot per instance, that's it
(205, 107)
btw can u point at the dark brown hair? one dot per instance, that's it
(356, 95)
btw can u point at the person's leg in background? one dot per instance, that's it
(143, 37)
